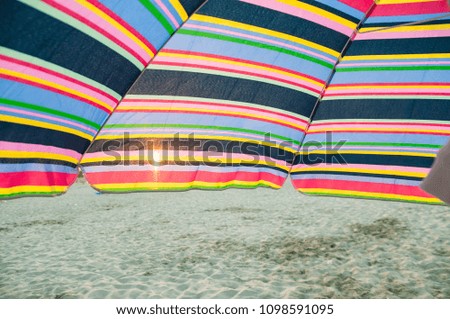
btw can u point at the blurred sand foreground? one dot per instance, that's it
(227, 244)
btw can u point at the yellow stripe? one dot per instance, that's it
(405, 130)
(397, 57)
(23, 154)
(248, 27)
(32, 189)
(115, 24)
(320, 12)
(18, 120)
(359, 170)
(368, 194)
(179, 8)
(157, 185)
(205, 111)
(55, 86)
(370, 152)
(238, 63)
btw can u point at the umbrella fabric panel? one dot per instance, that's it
(386, 112)
(64, 66)
(226, 101)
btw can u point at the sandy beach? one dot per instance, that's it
(226, 244)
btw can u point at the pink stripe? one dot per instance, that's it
(387, 148)
(41, 74)
(180, 176)
(243, 70)
(402, 35)
(362, 166)
(262, 39)
(373, 91)
(90, 19)
(107, 96)
(304, 14)
(378, 126)
(206, 108)
(363, 64)
(25, 147)
(168, 14)
(216, 132)
(47, 117)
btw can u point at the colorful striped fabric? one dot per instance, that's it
(227, 100)
(64, 66)
(386, 111)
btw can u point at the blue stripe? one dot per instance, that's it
(238, 51)
(33, 95)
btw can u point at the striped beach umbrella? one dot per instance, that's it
(64, 66)
(349, 97)
(386, 111)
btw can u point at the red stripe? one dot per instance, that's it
(65, 77)
(199, 112)
(361, 5)
(33, 178)
(172, 102)
(48, 88)
(208, 55)
(124, 24)
(380, 188)
(150, 176)
(99, 30)
(230, 70)
(428, 7)
(388, 93)
(388, 84)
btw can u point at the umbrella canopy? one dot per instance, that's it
(386, 111)
(229, 100)
(64, 66)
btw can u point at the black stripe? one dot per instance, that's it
(221, 146)
(358, 174)
(30, 31)
(191, 5)
(369, 159)
(274, 20)
(36, 161)
(18, 133)
(414, 109)
(163, 82)
(392, 24)
(400, 46)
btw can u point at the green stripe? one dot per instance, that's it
(50, 111)
(20, 194)
(157, 14)
(255, 44)
(394, 68)
(165, 189)
(223, 128)
(375, 144)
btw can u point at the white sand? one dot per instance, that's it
(230, 244)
